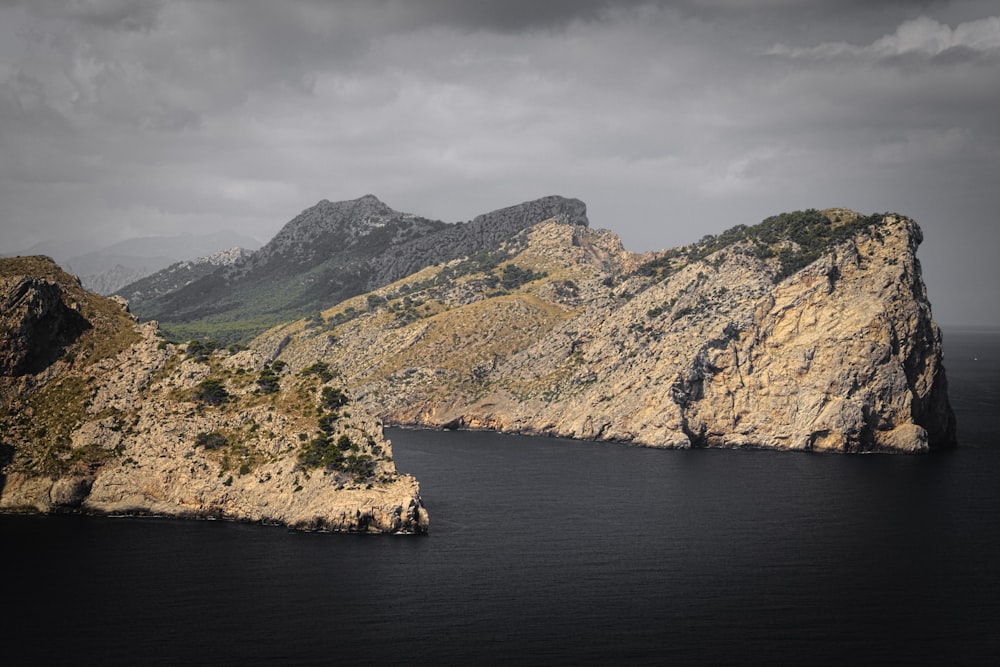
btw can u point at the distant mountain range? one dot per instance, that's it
(327, 253)
(106, 269)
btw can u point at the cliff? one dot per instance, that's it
(100, 414)
(810, 331)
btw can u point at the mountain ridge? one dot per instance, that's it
(685, 348)
(329, 252)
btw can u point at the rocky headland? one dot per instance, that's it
(811, 331)
(100, 414)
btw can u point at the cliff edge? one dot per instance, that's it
(100, 414)
(809, 331)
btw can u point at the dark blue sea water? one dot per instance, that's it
(546, 551)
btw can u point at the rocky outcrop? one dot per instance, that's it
(113, 419)
(809, 332)
(38, 326)
(483, 232)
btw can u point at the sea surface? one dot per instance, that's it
(553, 552)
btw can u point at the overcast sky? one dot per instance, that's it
(124, 118)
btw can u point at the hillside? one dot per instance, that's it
(100, 414)
(809, 331)
(328, 253)
(179, 275)
(107, 268)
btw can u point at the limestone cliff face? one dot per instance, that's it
(761, 341)
(99, 414)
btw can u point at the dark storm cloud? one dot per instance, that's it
(512, 15)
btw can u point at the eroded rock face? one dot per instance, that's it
(842, 355)
(126, 423)
(35, 325)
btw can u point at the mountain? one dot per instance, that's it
(329, 252)
(106, 269)
(178, 275)
(100, 414)
(809, 331)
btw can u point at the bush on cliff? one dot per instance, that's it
(333, 398)
(211, 440)
(797, 239)
(211, 392)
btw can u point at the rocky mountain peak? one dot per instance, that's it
(225, 257)
(521, 216)
(326, 216)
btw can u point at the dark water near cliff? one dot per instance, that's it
(553, 552)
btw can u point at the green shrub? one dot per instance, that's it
(320, 453)
(797, 239)
(211, 440)
(514, 276)
(328, 422)
(268, 382)
(200, 350)
(211, 392)
(319, 369)
(332, 398)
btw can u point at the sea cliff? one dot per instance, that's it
(811, 331)
(100, 414)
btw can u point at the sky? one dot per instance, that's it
(671, 120)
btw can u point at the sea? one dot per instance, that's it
(554, 552)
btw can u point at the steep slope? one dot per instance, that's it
(328, 253)
(809, 331)
(109, 268)
(99, 414)
(179, 274)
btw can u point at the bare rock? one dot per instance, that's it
(842, 355)
(117, 424)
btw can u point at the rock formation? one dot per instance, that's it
(811, 331)
(100, 414)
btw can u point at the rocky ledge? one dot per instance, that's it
(99, 414)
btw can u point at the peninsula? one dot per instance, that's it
(808, 331)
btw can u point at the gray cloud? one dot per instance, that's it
(670, 119)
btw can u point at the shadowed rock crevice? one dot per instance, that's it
(36, 327)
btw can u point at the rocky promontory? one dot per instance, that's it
(101, 414)
(809, 331)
